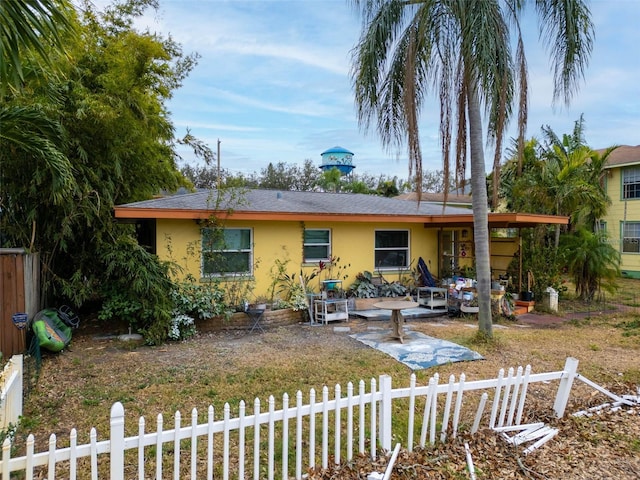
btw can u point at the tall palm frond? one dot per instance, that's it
(29, 132)
(592, 261)
(33, 24)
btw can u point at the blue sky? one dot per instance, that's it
(273, 84)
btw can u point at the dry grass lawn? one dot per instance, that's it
(77, 387)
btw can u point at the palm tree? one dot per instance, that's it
(462, 50)
(35, 25)
(592, 262)
(577, 179)
(28, 136)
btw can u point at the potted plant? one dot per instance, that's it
(392, 289)
(335, 273)
(470, 306)
(363, 286)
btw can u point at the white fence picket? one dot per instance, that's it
(349, 421)
(284, 428)
(194, 444)
(337, 430)
(447, 408)
(285, 437)
(141, 457)
(361, 434)
(11, 392)
(225, 442)
(159, 424)
(456, 412)
(374, 423)
(73, 458)
(241, 438)
(298, 473)
(479, 412)
(256, 439)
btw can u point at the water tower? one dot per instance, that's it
(337, 157)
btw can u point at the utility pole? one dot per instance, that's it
(218, 158)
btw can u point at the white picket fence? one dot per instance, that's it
(11, 392)
(288, 441)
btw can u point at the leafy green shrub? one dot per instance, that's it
(182, 327)
(137, 289)
(297, 298)
(541, 265)
(392, 289)
(363, 287)
(199, 301)
(291, 292)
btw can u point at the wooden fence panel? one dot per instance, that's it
(19, 293)
(12, 285)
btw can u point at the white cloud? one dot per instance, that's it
(273, 82)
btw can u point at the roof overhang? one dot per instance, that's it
(496, 220)
(632, 163)
(132, 213)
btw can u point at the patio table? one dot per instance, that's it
(396, 307)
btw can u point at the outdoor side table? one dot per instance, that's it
(255, 314)
(396, 307)
(426, 297)
(331, 309)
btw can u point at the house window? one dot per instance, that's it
(391, 249)
(317, 244)
(226, 251)
(631, 237)
(631, 182)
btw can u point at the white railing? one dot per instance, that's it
(11, 392)
(295, 437)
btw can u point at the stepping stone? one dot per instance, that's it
(341, 329)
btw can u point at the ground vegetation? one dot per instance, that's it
(77, 387)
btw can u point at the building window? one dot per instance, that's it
(631, 237)
(317, 244)
(391, 249)
(226, 251)
(631, 182)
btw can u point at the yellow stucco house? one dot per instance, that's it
(302, 229)
(622, 221)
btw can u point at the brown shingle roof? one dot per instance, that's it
(436, 197)
(623, 155)
(244, 204)
(289, 202)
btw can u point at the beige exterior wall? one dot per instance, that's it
(179, 241)
(630, 262)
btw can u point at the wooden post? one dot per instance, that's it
(564, 389)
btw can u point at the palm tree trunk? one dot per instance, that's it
(480, 215)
